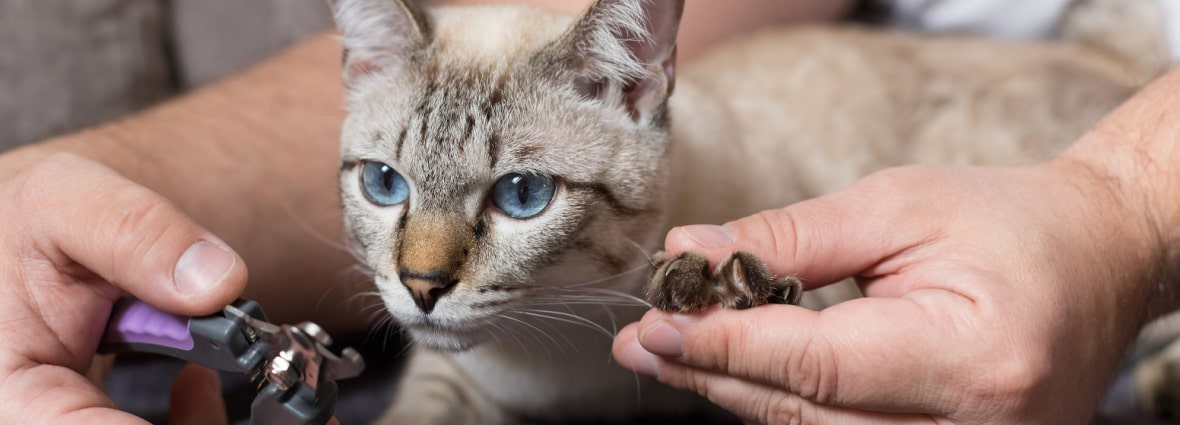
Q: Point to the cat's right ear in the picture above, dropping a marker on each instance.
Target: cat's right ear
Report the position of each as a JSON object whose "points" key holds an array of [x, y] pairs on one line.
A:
{"points": [[623, 52], [378, 34]]}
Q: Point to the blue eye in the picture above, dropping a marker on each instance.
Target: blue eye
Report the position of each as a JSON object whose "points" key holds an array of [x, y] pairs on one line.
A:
{"points": [[523, 195], [382, 184]]}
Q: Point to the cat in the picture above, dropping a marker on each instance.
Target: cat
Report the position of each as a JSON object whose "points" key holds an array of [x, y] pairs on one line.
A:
{"points": [[509, 173]]}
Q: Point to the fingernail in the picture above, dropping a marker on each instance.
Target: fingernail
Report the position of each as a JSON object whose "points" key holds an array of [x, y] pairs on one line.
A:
{"points": [[663, 340], [634, 357], [709, 236], [202, 267]]}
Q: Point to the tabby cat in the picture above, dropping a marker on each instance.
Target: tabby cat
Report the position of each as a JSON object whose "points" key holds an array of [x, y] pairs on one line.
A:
{"points": [[509, 173]]}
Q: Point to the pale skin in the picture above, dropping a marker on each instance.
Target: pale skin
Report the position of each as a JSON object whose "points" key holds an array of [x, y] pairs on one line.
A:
{"points": [[990, 290], [113, 209]]}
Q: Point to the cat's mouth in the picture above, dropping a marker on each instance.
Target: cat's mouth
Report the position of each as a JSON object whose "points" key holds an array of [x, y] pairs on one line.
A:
{"points": [[447, 328], [435, 336]]}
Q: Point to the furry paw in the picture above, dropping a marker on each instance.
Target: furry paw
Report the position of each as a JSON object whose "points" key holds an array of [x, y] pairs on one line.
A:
{"points": [[685, 284]]}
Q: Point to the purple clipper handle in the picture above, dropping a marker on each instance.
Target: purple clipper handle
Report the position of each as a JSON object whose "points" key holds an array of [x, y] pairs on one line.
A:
{"points": [[135, 322], [221, 341]]}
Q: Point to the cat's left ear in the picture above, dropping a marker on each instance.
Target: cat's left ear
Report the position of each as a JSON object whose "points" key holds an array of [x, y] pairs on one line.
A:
{"points": [[378, 34], [624, 52]]}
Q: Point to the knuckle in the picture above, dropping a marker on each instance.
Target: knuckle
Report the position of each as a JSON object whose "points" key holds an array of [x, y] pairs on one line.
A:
{"points": [[35, 192], [19, 193], [1010, 379], [28, 188], [731, 342], [53, 167], [687, 379], [892, 179], [138, 224], [783, 410], [781, 228], [811, 371], [711, 347]]}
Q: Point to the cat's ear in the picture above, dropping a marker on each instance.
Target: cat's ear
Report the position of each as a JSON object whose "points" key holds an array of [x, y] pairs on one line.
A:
{"points": [[624, 51], [378, 34]]}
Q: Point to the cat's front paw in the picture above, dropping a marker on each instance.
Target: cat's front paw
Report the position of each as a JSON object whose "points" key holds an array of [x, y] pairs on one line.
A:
{"points": [[685, 283]]}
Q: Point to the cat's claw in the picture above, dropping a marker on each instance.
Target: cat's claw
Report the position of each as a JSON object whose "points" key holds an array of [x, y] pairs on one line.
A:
{"points": [[685, 283]]}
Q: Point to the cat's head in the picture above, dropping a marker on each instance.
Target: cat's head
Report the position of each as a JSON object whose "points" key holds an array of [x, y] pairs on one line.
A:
{"points": [[495, 159]]}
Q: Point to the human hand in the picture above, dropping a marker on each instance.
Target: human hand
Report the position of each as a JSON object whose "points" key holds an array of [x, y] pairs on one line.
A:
{"points": [[76, 235], [993, 296]]}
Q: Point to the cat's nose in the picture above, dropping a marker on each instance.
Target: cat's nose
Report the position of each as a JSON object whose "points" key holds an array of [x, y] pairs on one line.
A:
{"points": [[427, 288]]}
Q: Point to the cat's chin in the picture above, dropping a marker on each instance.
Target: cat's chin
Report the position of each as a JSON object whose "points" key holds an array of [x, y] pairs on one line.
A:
{"points": [[438, 339]]}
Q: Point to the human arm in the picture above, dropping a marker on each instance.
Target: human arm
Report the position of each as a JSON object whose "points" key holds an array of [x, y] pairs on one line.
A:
{"points": [[989, 290], [249, 161], [253, 160]]}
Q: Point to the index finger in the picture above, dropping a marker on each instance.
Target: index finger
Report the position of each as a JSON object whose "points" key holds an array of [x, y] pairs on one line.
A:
{"points": [[826, 239]]}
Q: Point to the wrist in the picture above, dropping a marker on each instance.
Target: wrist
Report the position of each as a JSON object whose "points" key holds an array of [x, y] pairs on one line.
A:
{"points": [[1132, 152]]}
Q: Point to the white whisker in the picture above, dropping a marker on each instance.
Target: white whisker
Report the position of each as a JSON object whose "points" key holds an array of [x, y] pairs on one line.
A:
{"points": [[583, 300], [639, 248], [610, 292], [493, 327], [512, 332], [555, 330], [536, 329], [319, 236], [607, 278], [569, 318], [614, 321]]}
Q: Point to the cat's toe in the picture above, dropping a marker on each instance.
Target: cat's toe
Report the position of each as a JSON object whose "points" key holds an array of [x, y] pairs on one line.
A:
{"points": [[787, 290], [681, 284], [744, 281]]}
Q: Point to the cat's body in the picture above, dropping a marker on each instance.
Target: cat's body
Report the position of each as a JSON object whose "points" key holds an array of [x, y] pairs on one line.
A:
{"points": [[458, 102], [807, 111]]}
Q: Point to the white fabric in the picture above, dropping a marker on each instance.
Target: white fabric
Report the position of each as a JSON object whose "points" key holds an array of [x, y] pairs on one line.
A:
{"points": [[1171, 11], [998, 18]]}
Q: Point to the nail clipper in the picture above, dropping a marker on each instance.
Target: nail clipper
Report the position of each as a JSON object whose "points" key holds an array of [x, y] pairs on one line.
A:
{"points": [[295, 362]]}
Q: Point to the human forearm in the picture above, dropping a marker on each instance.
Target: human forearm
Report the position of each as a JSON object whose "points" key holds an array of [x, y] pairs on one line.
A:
{"points": [[1135, 149], [253, 159]]}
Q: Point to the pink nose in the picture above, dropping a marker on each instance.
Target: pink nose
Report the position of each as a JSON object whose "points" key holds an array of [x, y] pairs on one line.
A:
{"points": [[427, 288]]}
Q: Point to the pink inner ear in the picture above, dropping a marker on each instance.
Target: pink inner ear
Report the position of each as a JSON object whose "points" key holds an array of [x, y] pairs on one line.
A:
{"points": [[663, 21], [588, 87], [669, 66]]}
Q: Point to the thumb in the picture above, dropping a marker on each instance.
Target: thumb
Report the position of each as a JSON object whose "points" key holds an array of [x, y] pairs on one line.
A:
{"points": [[821, 240], [78, 212]]}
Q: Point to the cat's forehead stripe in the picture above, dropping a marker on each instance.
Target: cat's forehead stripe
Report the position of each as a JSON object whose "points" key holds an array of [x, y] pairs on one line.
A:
{"points": [[457, 107]]}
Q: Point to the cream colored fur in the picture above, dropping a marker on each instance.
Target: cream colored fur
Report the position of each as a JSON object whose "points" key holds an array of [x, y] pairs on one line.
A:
{"points": [[762, 122]]}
